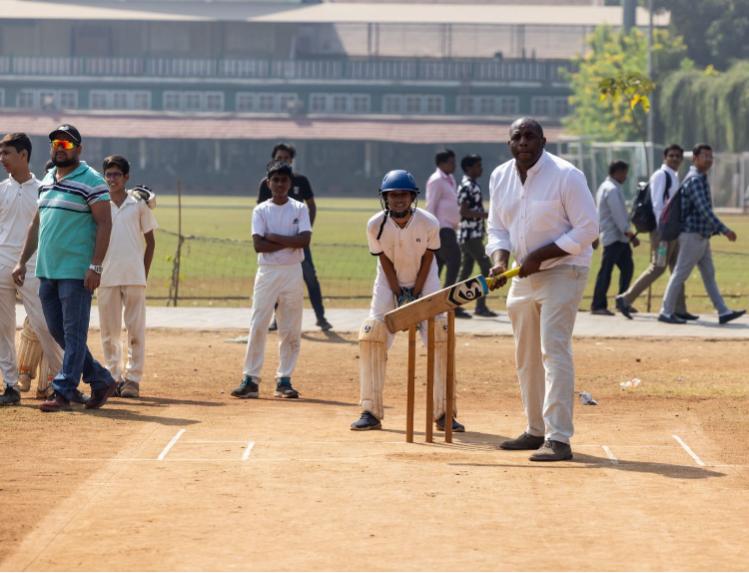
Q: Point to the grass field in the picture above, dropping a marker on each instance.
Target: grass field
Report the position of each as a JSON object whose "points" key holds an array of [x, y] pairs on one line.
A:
{"points": [[218, 261]]}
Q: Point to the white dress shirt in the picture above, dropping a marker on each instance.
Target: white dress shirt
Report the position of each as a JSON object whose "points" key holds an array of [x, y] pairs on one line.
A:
{"points": [[658, 187], [554, 205], [17, 210], [442, 199]]}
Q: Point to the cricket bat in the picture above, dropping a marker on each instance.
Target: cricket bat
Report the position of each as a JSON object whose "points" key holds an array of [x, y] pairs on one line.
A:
{"points": [[460, 293]]}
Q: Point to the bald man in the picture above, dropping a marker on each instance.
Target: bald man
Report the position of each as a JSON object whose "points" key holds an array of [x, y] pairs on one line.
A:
{"points": [[542, 212]]}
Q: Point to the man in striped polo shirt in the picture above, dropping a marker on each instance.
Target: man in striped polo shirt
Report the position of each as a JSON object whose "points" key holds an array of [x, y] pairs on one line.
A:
{"points": [[71, 230]]}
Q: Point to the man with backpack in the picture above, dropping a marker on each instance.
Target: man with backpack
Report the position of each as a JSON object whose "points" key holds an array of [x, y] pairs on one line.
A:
{"points": [[698, 224], [662, 185]]}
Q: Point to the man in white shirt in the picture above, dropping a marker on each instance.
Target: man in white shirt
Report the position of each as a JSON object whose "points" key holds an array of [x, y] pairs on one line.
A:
{"points": [[543, 213], [18, 196], [663, 184], [404, 240], [442, 202], [123, 280], [281, 230]]}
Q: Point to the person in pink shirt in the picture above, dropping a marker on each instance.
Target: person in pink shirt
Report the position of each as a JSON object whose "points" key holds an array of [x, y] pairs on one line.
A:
{"points": [[442, 202]]}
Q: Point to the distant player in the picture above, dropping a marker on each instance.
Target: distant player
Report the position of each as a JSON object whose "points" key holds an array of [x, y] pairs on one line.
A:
{"points": [[281, 230], [404, 238], [123, 282]]}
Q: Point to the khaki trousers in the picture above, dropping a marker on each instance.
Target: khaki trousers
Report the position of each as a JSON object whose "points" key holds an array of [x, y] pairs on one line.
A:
{"points": [[33, 305], [542, 309], [112, 302]]}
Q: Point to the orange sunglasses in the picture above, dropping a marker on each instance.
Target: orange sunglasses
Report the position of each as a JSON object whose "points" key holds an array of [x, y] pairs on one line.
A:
{"points": [[64, 143]]}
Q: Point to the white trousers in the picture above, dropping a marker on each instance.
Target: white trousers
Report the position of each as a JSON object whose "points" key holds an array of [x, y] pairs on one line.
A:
{"points": [[112, 302], [542, 309], [30, 298], [383, 302], [282, 284]]}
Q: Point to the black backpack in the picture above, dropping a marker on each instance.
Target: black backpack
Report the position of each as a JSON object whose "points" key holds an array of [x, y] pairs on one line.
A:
{"points": [[642, 216], [669, 225]]}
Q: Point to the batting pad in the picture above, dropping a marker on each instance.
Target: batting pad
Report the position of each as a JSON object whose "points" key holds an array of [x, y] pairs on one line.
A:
{"points": [[373, 336], [440, 369]]}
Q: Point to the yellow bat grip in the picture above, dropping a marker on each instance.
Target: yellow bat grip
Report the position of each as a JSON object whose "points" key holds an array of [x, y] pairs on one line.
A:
{"points": [[491, 281]]}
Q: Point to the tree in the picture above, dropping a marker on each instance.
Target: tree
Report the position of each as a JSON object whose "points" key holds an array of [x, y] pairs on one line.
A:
{"points": [[716, 32], [616, 66]]}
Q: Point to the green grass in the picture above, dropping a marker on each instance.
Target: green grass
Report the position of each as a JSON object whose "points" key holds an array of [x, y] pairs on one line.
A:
{"points": [[218, 260]]}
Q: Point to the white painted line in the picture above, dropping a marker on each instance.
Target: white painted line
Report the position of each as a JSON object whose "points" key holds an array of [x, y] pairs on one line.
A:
{"points": [[170, 445], [247, 450], [610, 454], [688, 450], [214, 441]]}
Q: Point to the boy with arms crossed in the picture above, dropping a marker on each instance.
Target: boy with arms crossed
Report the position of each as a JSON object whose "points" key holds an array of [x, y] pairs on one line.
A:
{"points": [[123, 282], [404, 240], [281, 230]]}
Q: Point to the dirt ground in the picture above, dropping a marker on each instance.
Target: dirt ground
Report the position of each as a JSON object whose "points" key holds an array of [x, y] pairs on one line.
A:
{"points": [[284, 485]]}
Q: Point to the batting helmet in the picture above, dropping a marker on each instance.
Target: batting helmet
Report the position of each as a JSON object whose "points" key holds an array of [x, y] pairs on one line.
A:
{"points": [[398, 180]]}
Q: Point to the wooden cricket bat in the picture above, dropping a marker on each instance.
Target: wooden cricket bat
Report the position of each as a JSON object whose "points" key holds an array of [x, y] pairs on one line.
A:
{"points": [[404, 317]]}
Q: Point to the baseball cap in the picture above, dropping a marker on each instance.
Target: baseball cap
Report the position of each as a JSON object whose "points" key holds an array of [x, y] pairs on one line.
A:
{"points": [[68, 130]]}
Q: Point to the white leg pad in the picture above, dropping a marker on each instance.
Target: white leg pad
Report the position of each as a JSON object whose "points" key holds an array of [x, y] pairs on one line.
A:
{"points": [[440, 370], [373, 336], [29, 351]]}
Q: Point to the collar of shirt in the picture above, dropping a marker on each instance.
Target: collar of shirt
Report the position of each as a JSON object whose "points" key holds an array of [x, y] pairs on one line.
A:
{"points": [[30, 181], [448, 176], [129, 200], [82, 167]]}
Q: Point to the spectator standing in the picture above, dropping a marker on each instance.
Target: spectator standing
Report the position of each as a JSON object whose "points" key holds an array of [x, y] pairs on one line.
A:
{"points": [[615, 235]]}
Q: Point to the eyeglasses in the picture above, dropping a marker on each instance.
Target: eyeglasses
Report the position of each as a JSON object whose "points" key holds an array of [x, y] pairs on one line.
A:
{"points": [[113, 175], [63, 143]]}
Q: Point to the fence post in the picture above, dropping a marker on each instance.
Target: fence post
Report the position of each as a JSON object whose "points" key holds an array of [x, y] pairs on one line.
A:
{"points": [[174, 285]]}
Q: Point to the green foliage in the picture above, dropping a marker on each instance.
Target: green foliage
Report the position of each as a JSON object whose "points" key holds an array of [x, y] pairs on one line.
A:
{"points": [[716, 105], [611, 91], [716, 31]]}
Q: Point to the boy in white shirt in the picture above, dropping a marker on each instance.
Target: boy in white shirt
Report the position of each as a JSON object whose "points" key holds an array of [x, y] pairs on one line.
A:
{"points": [[404, 239], [123, 280], [281, 230]]}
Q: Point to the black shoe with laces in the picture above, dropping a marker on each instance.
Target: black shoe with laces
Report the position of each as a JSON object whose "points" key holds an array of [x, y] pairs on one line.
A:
{"points": [[733, 315], [486, 312], [623, 307], [79, 397], [248, 388], [686, 315], [11, 397], [457, 426], [284, 388], [324, 324], [367, 421]]}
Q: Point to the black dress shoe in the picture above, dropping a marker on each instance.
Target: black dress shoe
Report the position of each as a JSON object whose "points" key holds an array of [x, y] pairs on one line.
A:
{"points": [[79, 397], [733, 315], [602, 312], [671, 319], [623, 307], [100, 395], [524, 441], [488, 313], [686, 316], [552, 451], [460, 313]]}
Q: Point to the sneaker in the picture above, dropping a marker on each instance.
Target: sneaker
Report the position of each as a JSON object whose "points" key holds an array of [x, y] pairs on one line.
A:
{"points": [[524, 441], [324, 325], [623, 307], [686, 316], [24, 382], [11, 397], [100, 394], [552, 451], [367, 421], [601, 312], [248, 388], [79, 397], [486, 312], [57, 403], [633, 310], [273, 325], [129, 389], [284, 389], [457, 426], [671, 319], [733, 315], [460, 313]]}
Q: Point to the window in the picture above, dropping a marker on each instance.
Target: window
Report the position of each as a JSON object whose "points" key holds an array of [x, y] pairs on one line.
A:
{"points": [[435, 104], [340, 104], [266, 103], [486, 105], [317, 103], [214, 102], [541, 106], [508, 105], [392, 104], [245, 102], [171, 101], [413, 104], [561, 108], [97, 100], [261, 102], [47, 99], [193, 101], [361, 104]]}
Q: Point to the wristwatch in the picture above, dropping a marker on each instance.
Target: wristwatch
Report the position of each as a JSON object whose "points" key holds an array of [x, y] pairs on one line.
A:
{"points": [[96, 268]]}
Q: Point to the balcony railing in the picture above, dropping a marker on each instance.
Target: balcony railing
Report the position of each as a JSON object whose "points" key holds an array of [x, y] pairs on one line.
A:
{"points": [[359, 69]]}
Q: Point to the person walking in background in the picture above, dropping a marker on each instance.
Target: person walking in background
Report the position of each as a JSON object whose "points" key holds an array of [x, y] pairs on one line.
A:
{"points": [[442, 202], [616, 236], [698, 224], [123, 282], [71, 229], [471, 230], [301, 190], [663, 183], [18, 194]]}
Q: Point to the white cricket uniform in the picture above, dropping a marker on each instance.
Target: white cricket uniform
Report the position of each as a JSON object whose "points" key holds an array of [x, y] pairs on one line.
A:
{"points": [[404, 247], [123, 287], [278, 280], [17, 210], [554, 205]]}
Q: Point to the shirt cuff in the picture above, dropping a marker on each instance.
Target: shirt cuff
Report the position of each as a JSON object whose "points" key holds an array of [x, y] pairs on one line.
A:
{"points": [[568, 245]]}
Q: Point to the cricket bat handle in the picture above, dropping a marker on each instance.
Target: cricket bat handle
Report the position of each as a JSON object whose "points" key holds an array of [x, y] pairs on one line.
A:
{"points": [[492, 281]]}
